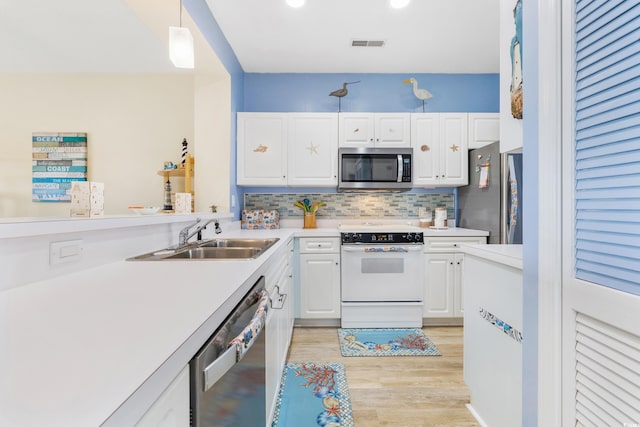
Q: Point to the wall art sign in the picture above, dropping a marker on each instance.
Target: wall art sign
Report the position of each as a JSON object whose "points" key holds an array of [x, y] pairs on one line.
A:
{"points": [[59, 159], [516, 63]]}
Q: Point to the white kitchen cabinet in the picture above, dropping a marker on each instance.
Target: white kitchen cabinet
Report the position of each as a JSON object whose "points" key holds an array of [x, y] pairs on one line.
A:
{"points": [[280, 149], [320, 278], [279, 325], [374, 130], [262, 149], [484, 129], [172, 409], [313, 149], [443, 295], [440, 149], [443, 292]]}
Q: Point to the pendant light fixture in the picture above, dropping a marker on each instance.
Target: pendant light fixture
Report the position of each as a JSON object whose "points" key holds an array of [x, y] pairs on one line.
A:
{"points": [[181, 45]]}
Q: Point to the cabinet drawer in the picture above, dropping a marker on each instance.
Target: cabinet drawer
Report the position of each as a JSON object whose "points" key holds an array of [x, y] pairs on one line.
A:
{"points": [[319, 245], [449, 244]]}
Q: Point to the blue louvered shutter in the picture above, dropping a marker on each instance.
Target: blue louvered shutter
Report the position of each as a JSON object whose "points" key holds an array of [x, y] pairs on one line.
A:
{"points": [[607, 124]]}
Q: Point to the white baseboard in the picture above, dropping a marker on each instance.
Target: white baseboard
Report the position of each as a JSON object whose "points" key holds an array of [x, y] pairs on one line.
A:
{"points": [[476, 416]]}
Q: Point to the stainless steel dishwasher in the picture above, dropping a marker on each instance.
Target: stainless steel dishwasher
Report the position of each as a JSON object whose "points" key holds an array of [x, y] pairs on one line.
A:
{"points": [[228, 373]]}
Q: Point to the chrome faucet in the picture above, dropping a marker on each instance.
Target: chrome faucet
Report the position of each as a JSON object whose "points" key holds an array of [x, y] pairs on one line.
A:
{"points": [[186, 234]]}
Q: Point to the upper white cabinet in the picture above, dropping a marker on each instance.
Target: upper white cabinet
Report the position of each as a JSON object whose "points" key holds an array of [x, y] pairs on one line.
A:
{"points": [[280, 149], [313, 149], [440, 145], [262, 149], [374, 129], [484, 129]]}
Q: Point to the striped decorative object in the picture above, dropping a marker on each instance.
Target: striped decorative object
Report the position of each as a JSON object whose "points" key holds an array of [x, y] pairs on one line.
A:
{"points": [[607, 374], [607, 126]]}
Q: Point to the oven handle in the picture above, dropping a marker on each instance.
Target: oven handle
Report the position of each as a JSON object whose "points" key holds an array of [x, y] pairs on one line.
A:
{"points": [[383, 249], [239, 346]]}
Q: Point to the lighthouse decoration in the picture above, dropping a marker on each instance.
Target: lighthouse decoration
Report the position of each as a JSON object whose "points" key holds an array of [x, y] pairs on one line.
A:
{"points": [[183, 160]]}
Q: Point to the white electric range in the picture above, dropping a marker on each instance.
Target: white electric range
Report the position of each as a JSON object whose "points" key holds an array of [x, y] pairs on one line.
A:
{"points": [[382, 275]]}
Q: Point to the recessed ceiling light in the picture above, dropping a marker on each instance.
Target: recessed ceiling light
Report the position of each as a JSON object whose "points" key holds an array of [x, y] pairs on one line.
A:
{"points": [[296, 3], [399, 4]]}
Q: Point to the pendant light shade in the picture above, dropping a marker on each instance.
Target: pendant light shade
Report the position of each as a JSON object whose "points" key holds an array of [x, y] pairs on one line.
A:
{"points": [[181, 47]]}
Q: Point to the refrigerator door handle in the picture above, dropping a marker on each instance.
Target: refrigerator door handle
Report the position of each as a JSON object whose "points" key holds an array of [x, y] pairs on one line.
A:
{"points": [[504, 197]]}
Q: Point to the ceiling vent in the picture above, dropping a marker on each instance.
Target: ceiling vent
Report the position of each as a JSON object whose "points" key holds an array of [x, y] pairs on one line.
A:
{"points": [[367, 43]]}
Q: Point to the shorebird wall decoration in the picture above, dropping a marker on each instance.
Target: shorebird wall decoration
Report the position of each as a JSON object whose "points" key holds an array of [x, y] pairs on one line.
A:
{"points": [[421, 94], [340, 93]]}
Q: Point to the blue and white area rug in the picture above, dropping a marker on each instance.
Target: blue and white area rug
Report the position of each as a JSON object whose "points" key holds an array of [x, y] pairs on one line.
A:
{"points": [[313, 394], [386, 342]]}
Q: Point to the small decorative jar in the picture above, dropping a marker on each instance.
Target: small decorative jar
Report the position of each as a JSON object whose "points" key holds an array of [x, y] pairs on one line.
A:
{"points": [[309, 220]]}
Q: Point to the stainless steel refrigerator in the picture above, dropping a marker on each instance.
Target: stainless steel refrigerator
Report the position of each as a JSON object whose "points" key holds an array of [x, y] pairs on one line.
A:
{"points": [[493, 199]]}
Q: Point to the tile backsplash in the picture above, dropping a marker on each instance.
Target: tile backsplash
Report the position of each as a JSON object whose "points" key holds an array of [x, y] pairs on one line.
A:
{"points": [[374, 205]]}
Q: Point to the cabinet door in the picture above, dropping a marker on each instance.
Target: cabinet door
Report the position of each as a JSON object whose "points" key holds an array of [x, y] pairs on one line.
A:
{"points": [[273, 368], [392, 130], [484, 129], [172, 407], [356, 129], [454, 158], [262, 149], [425, 136], [458, 290], [438, 297], [320, 286], [313, 149]]}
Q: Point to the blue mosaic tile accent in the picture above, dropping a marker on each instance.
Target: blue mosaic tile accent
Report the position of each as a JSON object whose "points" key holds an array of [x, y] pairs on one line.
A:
{"points": [[378, 205], [503, 326]]}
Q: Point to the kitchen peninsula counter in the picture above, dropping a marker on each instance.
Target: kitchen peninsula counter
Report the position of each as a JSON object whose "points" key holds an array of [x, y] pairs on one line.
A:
{"points": [[98, 344], [493, 332]]}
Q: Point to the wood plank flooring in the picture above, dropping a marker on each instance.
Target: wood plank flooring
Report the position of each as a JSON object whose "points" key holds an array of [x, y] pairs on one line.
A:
{"points": [[401, 391]]}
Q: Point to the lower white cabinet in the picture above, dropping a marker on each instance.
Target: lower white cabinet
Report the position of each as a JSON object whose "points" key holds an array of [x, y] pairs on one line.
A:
{"points": [[443, 290], [172, 407], [320, 278], [279, 325]]}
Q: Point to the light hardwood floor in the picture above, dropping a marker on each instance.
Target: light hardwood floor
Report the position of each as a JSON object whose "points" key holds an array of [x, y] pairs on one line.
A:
{"points": [[402, 391]]}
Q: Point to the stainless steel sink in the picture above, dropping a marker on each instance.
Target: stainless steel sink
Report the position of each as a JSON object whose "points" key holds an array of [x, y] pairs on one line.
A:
{"points": [[263, 244], [217, 253], [218, 249]]}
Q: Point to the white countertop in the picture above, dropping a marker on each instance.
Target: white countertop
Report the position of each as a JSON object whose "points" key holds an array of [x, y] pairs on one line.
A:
{"points": [[510, 255], [75, 347]]}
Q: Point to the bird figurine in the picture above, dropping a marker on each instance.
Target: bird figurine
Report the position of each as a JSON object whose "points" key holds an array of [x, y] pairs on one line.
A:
{"points": [[421, 94], [339, 93]]}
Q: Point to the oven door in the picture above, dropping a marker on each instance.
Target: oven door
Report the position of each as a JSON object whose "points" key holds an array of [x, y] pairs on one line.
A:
{"points": [[382, 273]]}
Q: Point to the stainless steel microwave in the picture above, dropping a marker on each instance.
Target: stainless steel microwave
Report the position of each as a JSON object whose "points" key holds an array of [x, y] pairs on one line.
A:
{"points": [[383, 169]]}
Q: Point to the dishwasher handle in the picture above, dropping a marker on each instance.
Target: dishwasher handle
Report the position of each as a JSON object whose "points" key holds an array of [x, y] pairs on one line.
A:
{"points": [[250, 333], [219, 367], [238, 346]]}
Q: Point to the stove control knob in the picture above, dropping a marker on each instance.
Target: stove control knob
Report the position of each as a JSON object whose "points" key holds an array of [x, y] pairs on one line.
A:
{"points": [[418, 237], [409, 237]]}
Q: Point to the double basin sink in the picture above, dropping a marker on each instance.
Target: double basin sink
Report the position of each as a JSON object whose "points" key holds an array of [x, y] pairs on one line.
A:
{"points": [[217, 249]]}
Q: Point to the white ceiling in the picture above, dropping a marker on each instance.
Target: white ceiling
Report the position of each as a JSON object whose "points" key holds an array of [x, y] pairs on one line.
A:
{"points": [[105, 36], [429, 36]]}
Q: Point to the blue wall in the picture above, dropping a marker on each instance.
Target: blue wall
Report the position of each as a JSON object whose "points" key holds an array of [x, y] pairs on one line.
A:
{"points": [[374, 93], [209, 28]]}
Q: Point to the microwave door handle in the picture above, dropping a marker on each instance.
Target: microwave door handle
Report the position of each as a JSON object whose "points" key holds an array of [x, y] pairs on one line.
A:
{"points": [[399, 178]]}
